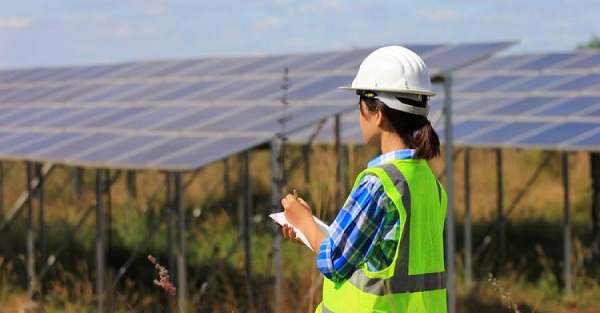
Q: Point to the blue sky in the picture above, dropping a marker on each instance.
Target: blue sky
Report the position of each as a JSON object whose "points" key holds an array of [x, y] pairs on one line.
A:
{"points": [[53, 33]]}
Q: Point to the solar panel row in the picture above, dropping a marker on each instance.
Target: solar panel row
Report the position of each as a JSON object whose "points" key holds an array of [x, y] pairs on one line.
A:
{"points": [[183, 114]]}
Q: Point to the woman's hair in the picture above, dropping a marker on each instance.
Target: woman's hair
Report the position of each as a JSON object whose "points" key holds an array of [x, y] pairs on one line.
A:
{"points": [[415, 130]]}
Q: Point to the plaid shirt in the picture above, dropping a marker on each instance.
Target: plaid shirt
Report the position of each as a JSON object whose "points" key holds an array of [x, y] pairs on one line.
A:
{"points": [[365, 227]]}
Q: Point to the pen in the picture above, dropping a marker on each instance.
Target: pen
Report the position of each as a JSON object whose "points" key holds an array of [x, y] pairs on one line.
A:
{"points": [[295, 194]]}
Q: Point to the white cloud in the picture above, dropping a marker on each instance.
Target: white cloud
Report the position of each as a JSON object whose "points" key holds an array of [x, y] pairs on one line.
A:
{"points": [[15, 22], [443, 16]]}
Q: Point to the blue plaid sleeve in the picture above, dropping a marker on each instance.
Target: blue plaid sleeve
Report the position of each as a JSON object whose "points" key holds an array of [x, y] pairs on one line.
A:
{"points": [[356, 227]]}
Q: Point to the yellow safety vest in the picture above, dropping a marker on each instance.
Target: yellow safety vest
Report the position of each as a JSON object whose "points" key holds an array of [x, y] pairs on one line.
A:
{"points": [[415, 281]]}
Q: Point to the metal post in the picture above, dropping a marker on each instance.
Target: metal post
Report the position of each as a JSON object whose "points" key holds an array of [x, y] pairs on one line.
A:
{"points": [[31, 284], [467, 221], [450, 288], [500, 204], [80, 183], [181, 266], [131, 185], [276, 190], [248, 225], [1, 191], [40, 196], [567, 226], [170, 196], [100, 253], [340, 159], [226, 186]]}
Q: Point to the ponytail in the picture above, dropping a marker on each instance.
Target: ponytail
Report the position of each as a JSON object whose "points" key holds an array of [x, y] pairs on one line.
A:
{"points": [[415, 130], [426, 142]]}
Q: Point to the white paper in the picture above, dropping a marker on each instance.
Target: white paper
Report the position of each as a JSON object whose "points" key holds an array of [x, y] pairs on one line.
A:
{"points": [[281, 220]]}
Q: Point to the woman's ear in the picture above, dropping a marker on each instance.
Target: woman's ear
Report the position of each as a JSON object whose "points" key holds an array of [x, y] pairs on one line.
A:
{"points": [[379, 118]]}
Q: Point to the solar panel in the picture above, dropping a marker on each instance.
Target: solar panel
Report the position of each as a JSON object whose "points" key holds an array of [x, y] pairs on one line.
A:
{"points": [[557, 134], [572, 106], [183, 114], [545, 62]]}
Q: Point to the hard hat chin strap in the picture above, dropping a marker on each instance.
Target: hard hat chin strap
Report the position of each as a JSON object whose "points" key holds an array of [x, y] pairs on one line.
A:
{"points": [[391, 100]]}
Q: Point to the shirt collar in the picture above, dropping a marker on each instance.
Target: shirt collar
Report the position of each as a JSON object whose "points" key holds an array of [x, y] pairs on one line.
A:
{"points": [[402, 154]]}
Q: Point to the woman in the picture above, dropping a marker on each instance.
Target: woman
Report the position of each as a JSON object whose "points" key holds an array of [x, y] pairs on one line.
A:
{"points": [[385, 252]]}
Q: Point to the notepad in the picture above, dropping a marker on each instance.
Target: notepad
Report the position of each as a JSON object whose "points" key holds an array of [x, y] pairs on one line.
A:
{"points": [[281, 220]]}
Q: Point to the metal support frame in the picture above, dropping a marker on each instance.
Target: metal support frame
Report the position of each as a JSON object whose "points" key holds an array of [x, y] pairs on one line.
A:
{"points": [[450, 236], [169, 206], [248, 226], [567, 226], [42, 209], [181, 263], [468, 222], [131, 184], [1, 190], [276, 195], [100, 245], [31, 277], [500, 206]]}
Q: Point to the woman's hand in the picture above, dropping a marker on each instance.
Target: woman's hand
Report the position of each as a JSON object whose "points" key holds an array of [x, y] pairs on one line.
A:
{"points": [[289, 233], [296, 211]]}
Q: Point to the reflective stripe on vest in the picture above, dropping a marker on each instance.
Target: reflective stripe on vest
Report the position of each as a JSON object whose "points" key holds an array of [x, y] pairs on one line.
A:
{"points": [[401, 282]]}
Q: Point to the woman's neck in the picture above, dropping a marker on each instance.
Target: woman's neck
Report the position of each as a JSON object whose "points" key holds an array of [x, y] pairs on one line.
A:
{"points": [[392, 142]]}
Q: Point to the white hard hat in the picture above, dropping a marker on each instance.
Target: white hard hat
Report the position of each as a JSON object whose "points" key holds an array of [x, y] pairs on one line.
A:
{"points": [[391, 72]]}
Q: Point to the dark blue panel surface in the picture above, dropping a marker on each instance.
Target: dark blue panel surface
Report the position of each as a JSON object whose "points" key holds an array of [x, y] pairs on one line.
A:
{"points": [[77, 146], [155, 152], [592, 61], [539, 82], [119, 147], [184, 91], [210, 151], [255, 65], [347, 60], [267, 89], [473, 106], [240, 119], [16, 114], [319, 87], [500, 63], [153, 118], [216, 67], [18, 139], [461, 55], [113, 92], [82, 116], [588, 142], [559, 133], [115, 116], [42, 143], [546, 61], [470, 128], [195, 118], [297, 117], [489, 83], [100, 71], [505, 133], [224, 89], [570, 107], [581, 83], [44, 114], [173, 69], [74, 93], [146, 92], [522, 105]]}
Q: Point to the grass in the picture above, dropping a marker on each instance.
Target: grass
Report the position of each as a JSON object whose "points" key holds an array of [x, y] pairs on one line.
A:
{"points": [[531, 271]]}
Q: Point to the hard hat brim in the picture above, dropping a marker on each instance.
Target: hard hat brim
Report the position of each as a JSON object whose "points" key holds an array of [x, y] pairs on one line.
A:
{"points": [[417, 92]]}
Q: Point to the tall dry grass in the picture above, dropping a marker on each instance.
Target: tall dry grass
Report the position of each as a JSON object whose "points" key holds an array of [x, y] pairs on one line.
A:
{"points": [[216, 274]]}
